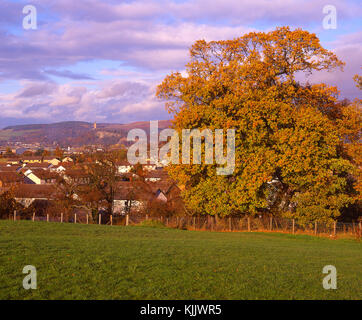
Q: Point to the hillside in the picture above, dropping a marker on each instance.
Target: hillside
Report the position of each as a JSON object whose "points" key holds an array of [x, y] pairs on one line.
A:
{"points": [[73, 133]]}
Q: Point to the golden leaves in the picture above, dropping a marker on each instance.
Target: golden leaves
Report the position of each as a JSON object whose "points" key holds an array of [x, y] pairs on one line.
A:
{"points": [[287, 132]]}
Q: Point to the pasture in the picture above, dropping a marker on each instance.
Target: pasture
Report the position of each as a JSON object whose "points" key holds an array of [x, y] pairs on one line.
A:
{"points": [[143, 262]]}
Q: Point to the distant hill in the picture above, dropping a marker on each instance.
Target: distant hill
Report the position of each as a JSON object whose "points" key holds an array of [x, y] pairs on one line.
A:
{"points": [[73, 133]]}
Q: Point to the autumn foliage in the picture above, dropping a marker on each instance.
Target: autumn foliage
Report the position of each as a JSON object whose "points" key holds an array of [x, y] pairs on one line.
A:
{"points": [[297, 146]]}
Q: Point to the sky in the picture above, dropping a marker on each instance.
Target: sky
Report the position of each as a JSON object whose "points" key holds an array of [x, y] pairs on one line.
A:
{"points": [[94, 60]]}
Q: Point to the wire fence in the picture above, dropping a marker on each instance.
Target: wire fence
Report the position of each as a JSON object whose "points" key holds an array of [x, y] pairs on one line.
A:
{"points": [[210, 223]]}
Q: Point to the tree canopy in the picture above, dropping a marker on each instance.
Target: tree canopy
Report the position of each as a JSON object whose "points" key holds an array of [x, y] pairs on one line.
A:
{"points": [[293, 140]]}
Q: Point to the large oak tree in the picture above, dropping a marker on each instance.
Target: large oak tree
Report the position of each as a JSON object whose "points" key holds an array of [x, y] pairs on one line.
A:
{"points": [[291, 137]]}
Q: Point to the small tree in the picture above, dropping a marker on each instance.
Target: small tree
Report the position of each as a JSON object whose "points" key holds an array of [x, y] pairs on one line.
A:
{"points": [[7, 203], [103, 174], [59, 153], [65, 196]]}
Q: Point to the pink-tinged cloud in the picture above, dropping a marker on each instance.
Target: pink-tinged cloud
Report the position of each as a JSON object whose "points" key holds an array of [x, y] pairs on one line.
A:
{"points": [[147, 39], [349, 50]]}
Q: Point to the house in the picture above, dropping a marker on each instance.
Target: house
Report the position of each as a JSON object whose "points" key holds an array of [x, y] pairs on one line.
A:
{"points": [[124, 167], [127, 200], [26, 194], [156, 175], [13, 161], [160, 196], [76, 175], [6, 167], [40, 176], [58, 168], [137, 195], [43, 166], [40, 159], [62, 167], [67, 159], [168, 193], [8, 179]]}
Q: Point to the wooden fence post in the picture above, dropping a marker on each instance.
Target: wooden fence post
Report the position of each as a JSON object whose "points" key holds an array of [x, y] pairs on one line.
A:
{"points": [[14, 215], [334, 228], [146, 216], [127, 221], [271, 223], [315, 227], [229, 223], [87, 218], [33, 216], [293, 226], [111, 220], [75, 218], [249, 224], [99, 219], [47, 217], [194, 222], [61, 217]]}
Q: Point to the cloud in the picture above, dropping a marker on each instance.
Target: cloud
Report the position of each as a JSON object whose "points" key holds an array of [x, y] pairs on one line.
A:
{"points": [[69, 74], [148, 39], [111, 101], [348, 49], [120, 88], [36, 89]]}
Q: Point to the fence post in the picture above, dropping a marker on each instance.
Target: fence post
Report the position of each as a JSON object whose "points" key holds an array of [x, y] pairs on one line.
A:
{"points": [[315, 227], [47, 217], [87, 218], [293, 226], [230, 223], [33, 216], [166, 221], [127, 221], [271, 223], [249, 224], [111, 219], [146, 216], [61, 217], [99, 219], [334, 228], [194, 222], [14, 215], [75, 218]]}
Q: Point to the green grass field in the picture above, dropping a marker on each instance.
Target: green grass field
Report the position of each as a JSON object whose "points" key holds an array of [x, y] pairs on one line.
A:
{"points": [[113, 262]]}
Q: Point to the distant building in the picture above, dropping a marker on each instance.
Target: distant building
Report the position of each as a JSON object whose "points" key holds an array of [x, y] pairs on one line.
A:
{"points": [[21, 150]]}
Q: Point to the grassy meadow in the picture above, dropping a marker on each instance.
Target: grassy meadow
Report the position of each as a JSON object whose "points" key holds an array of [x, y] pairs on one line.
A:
{"points": [[76, 261]]}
